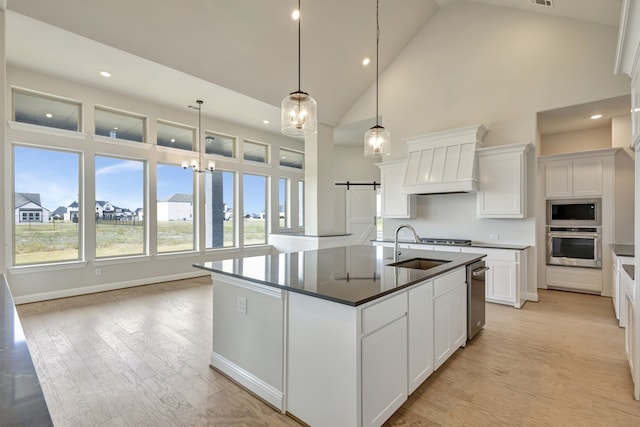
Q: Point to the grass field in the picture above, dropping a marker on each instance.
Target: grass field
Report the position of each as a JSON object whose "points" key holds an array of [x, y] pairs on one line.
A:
{"points": [[58, 241]]}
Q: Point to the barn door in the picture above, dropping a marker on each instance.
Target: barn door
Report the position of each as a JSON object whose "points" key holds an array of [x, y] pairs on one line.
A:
{"points": [[361, 214]]}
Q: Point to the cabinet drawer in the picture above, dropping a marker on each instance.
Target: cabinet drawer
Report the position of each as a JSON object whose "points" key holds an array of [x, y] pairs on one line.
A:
{"points": [[495, 254], [379, 314], [443, 284]]}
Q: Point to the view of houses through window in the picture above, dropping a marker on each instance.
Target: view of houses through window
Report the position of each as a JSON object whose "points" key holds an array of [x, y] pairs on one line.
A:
{"points": [[46, 206], [175, 209], [54, 212], [119, 207]]}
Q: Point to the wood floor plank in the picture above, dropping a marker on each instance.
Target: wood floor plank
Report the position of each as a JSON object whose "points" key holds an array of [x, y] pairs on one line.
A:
{"points": [[140, 356]]}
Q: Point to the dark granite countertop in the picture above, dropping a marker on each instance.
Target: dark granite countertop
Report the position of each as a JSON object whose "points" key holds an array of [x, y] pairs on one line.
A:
{"points": [[350, 275], [622, 250], [472, 245], [21, 400], [630, 269]]}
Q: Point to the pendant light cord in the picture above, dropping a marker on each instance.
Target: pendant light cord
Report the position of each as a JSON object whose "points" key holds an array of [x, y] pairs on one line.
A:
{"points": [[299, 49], [377, 54]]}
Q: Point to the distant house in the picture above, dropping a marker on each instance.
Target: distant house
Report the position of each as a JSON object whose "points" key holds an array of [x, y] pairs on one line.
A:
{"points": [[73, 213], [139, 214], [105, 210], [178, 207], [28, 208], [60, 213]]}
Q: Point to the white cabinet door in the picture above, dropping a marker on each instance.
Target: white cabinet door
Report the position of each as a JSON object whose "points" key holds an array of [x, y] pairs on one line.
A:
{"points": [[384, 372], [559, 179], [394, 203], [420, 324], [587, 177], [501, 181], [629, 334], [501, 281], [450, 323]]}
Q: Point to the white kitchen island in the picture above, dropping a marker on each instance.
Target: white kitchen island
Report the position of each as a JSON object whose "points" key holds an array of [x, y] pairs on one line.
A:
{"points": [[336, 336]]}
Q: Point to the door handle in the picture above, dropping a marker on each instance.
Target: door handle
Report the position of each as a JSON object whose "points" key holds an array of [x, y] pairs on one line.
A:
{"points": [[479, 271]]}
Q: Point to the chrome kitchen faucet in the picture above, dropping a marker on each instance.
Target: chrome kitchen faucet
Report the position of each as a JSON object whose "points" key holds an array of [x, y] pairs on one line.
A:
{"points": [[416, 239]]}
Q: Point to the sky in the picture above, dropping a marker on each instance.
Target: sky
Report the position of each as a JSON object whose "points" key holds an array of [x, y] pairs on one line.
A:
{"points": [[54, 175]]}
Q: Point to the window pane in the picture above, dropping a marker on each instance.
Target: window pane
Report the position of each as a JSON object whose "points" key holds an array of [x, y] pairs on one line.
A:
{"points": [[219, 220], [292, 159], [119, 125], [46, 219], [175, 209], [255, 202], [256, 152], [283, 203], [301, 203], [175, 136], [119, 207], [46, 111], [222, 145]]}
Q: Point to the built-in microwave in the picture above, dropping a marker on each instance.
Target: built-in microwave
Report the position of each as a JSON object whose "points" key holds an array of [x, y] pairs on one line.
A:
{"points": [[574, 212]]}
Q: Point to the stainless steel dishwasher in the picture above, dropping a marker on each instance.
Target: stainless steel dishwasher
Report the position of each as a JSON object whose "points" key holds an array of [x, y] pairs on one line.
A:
{"points": [[475, 297]]}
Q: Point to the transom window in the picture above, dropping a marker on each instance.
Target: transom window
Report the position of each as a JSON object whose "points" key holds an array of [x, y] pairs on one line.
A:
{"points": [[120, 125], [175, 136], [222, 145], [291, 159], [44, 110], [256, 152]]}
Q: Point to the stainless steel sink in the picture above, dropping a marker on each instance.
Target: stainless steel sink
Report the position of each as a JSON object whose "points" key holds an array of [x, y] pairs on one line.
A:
{"points": [[419, 263]]}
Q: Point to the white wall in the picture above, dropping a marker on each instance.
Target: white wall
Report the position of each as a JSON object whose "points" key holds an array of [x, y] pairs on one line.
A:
{"points": [[5, 201], [576, 141]]}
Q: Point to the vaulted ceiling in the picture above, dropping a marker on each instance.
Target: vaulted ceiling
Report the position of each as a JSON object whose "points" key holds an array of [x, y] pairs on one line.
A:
{"points": [[239, 56]]}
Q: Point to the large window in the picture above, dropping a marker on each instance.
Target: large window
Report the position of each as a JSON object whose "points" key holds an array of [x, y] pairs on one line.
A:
{"points": [[119, 207], [116, 124], [301, 203], [175, 136], [175, 209], [46, 216], [283, 203], [255, 212], [45, 110], [219, 217], [222, 145]]}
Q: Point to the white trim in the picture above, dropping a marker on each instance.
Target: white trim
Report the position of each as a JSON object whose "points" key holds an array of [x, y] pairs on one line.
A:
{"points": [[177, 255], [28, 127], [121, 142], [622, 34], [126, 259], [40, 268], [64, 293], [265, 391]]}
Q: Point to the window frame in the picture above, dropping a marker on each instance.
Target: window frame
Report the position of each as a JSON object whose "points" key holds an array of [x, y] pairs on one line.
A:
{"points": [[123, 113], [47, 97]]}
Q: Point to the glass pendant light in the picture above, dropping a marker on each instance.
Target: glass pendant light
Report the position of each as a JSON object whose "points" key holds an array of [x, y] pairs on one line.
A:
{"points": [[377, 140], [299, 115], [196, 165]]}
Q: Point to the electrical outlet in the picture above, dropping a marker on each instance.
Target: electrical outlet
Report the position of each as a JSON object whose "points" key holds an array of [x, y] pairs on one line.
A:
{"points": [[242, 305], [495, 236], [98, 271]]}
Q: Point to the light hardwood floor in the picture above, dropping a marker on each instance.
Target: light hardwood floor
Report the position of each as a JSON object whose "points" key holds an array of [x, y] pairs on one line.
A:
{"points": [[139, 357]]}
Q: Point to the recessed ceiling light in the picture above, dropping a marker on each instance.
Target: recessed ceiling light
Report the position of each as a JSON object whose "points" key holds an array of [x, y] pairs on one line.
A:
{"points": [[295, 15], [596, 116], [105, 74], [266, 122], [48, 115], [115, 127], [366, 61], [173, 140]]}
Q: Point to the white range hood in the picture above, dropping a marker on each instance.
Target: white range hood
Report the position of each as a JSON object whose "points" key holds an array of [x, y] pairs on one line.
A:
{"points": [[443, 162]]}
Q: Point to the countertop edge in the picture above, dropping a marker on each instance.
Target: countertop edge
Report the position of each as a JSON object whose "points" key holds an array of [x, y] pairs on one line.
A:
{"points": [[472, 245]]}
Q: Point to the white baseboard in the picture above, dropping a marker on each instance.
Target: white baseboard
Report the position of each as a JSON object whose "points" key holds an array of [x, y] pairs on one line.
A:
{"points": [[531, 296], [64, 293], [265, 391]]}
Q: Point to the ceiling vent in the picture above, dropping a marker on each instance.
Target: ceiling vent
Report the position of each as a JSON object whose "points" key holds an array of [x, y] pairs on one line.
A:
{"points": [[546, 3]]}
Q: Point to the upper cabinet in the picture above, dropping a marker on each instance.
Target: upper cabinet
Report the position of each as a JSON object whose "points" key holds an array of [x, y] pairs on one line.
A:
{"points": [[395, 204], [574, 178], [502, 181]]}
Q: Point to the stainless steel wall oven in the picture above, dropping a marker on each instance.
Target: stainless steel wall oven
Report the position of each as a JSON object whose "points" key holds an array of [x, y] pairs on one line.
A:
{"points": [[574, 246]]}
